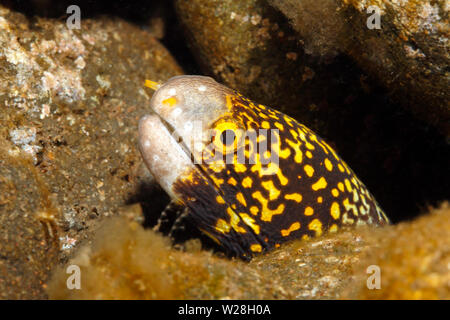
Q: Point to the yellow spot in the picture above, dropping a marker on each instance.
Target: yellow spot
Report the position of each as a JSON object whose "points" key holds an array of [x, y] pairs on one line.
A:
{"points": [[289, 120], [152, 84], [277, 245], [234, 221], [262, 115], [229, 103], [308, 154], [348, 206], [320, 184], [239, 167], [293, 227], [335, 192], [265, 125], [341, 186], [273, 191], [333, 228], [297, 197], [294, 134], [220, 200], [270, 169], [316, 226], [170, 101], [309, 146], [217, 181], [279, 126], [348, 185], [367, 207], [341, 168], [319, 199], [217, 166], [232, 181], [247, 182], [328, 164], [313, 137], [256, 248], [266, 213], [309, 170], [301, 133], [335, 210], [250, 222], [222, 226], [261, 138], [241, 199], [273, 116], [298, 153], [189, 177], [309, 211], [362, 210], [346, 220], [254, 210], [331, 150], [346, 168], [305, 237], [282, 178], [285, 153], [355, 196]]}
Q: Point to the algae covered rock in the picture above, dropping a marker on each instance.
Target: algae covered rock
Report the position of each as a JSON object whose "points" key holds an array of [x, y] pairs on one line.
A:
{"points": [[27, 247], [125, 261], [70, 101], [250, 47], [413, 259], [403, 44], [245, 45]]}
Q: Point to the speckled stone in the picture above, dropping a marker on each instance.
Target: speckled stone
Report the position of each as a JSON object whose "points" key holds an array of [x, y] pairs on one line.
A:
{"points": [[70, 101], [408, 54], [413, 257]]}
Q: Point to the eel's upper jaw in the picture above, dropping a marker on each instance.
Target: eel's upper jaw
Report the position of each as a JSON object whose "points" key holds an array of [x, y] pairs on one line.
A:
{"points": [[163, 155]]}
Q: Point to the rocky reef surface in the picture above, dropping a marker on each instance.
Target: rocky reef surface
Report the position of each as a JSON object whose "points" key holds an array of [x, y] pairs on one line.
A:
{"points": [[74, 190], [125, 261], [69, 107], [403, 44]]}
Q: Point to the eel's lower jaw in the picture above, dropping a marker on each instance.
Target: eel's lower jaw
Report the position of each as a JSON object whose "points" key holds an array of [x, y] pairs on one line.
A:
{"points": [[162, 153]]}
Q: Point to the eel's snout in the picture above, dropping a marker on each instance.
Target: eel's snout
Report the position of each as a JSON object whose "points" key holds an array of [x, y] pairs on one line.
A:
{"points": [[162, 154]]}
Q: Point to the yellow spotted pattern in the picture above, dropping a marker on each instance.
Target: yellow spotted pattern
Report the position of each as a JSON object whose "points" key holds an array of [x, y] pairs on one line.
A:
{"points": [[307, 191]]}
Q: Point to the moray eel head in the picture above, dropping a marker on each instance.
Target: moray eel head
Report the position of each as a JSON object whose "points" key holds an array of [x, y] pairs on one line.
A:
{"points": [[251, 177]]}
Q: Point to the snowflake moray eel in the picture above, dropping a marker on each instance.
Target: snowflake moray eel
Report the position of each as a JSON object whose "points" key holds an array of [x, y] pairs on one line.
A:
{"points": [[249, 176]]}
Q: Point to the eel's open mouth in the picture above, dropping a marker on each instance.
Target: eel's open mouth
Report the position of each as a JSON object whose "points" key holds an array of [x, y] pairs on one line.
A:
{"points": [[167, 155], [164, 156], [178, 138]]}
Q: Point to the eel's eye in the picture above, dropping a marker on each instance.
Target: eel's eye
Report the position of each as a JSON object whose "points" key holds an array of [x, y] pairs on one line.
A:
{"points": [[228, 137]]}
